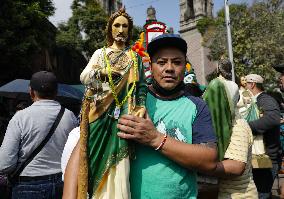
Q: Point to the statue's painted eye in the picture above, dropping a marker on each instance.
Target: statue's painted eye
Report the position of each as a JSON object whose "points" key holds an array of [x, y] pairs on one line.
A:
{"points": [[116, 25]]}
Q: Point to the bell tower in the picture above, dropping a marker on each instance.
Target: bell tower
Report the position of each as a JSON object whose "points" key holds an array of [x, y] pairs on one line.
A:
{"points": [[110, 6], [190, 12]]}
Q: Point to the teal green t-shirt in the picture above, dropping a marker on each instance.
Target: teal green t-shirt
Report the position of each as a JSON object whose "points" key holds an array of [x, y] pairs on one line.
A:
{"points": [[154, 176]]}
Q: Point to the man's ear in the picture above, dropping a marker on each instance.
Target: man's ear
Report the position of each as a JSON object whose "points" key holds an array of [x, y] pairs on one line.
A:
{"points": [[32, 93], [150, 64]]}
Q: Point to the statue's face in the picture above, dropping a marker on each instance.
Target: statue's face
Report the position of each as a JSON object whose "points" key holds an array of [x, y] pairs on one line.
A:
{"points": [[120, 29], [243, 81]]}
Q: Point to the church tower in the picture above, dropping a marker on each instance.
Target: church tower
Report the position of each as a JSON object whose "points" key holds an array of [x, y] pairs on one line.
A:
{"points": [[110, 6], [190, 12]]}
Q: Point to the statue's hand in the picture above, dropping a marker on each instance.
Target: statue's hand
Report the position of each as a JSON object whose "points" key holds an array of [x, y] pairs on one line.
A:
{"points": [[103, 72], [102, 75], [139, 111]]}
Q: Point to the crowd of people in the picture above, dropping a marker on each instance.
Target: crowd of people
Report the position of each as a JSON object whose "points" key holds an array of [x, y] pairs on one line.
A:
{"points": [[144, 141]]}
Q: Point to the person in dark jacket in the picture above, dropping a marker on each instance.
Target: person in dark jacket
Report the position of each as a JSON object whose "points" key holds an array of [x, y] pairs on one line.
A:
{"points": [[267, 125]]}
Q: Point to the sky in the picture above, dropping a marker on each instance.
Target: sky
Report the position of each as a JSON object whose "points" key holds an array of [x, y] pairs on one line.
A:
{"points": [[167, 11]]}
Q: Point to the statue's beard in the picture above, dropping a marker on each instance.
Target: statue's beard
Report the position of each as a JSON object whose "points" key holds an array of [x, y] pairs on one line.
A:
{"points": [[120, 39]]}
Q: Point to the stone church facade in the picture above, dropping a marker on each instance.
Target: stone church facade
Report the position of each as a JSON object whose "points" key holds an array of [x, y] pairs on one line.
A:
{"points": [[110, 6], [190, 12]]}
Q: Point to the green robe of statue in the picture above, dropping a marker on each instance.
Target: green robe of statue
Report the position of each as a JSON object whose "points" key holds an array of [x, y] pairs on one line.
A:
{"points": [[103, 155]]}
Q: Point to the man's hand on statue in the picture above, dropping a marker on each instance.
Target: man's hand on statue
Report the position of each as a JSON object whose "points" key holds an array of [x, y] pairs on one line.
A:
{"points": [[139, 129]]}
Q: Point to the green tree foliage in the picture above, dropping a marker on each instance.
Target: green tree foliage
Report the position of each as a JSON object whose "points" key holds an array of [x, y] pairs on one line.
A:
{"points": [[85, 30], [204, 24], [136, 33], [69, 35], [257, 35], [24, 30]]}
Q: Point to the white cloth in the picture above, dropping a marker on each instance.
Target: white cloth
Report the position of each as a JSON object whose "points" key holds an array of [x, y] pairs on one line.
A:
{"points": [[233, 91], [72, 140], [258, 145], [244, 101]]}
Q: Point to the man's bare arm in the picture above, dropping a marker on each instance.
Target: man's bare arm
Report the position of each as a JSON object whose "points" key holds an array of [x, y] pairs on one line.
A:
{"points": [[192, 156], [229, 168], [71, 175], [199, 157]]}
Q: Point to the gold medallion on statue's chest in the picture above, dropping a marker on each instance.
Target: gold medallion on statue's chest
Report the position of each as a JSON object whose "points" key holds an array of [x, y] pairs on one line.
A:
{"points": [[118, 60]]}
